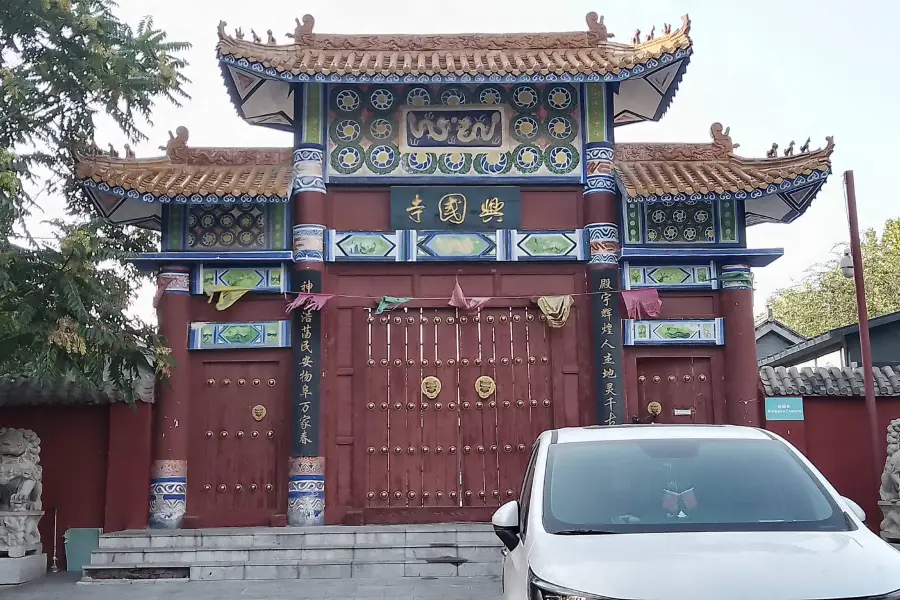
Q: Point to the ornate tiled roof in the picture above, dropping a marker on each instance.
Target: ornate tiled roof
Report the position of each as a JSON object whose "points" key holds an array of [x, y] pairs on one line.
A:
{"points": [[654, 170], [540, 55], [832, 381], [183, 171], [646, 172]]}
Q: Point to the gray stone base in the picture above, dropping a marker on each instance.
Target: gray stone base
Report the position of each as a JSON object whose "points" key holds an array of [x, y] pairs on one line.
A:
{"points": [[14, 571]]}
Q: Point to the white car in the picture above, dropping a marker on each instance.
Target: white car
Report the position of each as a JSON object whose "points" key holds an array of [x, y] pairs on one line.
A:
{"points": [[685, 512]]}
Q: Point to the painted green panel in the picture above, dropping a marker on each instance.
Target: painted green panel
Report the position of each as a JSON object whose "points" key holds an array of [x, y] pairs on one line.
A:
{"points": [[312, 118], [633, 233], [727, 221], [176, 228], [278, 215], [596, 112]]}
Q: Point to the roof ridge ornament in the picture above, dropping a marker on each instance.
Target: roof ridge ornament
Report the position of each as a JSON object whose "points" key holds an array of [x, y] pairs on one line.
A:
{"points": [[596, 25], [177, 142], [303, 29], [788, 152], [721, 140]]}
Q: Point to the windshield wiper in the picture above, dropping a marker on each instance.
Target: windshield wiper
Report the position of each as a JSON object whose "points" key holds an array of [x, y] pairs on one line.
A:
{"points": [[584, 532]]}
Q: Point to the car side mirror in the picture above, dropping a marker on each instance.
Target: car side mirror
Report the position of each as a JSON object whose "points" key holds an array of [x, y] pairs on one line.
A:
{"points": [[855, 508], [506, 524]]}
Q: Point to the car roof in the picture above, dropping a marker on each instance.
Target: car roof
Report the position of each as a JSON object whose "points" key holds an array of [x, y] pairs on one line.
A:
{"points": [[649, 432]]}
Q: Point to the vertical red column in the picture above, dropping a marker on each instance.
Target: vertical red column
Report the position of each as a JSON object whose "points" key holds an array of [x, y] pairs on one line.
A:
{"points": [[168, 477], [306, 483], [741, 371], [601, 216]]}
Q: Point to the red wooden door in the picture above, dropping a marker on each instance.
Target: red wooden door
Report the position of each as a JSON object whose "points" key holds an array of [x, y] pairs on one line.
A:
{"points": [[681, 385], [458, 455], [237, 467]]}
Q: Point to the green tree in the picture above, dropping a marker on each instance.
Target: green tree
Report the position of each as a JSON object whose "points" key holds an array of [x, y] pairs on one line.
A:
{"points": [[62, 302], [826, 300]]}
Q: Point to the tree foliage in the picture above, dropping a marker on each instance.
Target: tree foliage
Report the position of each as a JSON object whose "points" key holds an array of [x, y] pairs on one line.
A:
{"points": [[826, 300], [62, 303]]}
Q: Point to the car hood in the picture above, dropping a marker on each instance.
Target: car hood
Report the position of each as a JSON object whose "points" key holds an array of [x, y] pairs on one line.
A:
{"points": [[712, 566]]}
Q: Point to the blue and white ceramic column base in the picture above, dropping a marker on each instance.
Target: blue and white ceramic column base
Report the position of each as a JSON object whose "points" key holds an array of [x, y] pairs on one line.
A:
{"points": [[602, 243], [726, 272], [306, 491], [309, 243], [308, 169], [598, 168], [168, 494]]}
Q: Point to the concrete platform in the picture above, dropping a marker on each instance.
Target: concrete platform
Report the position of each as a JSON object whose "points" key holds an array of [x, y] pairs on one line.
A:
{"points": [[14, 571]]}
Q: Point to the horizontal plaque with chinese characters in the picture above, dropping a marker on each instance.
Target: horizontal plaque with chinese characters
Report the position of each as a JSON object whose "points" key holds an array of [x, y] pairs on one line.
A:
{"points": [[470, 208]]}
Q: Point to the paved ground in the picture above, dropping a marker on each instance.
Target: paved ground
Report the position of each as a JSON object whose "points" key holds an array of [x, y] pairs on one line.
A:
{"points": [[63, 587]]}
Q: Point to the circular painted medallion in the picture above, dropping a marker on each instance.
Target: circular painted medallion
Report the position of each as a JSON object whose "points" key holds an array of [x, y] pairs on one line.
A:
{"points": [[528, 158], [492, 163], [525, 97], [455, 163], [561, 159], [525, 128], [381, 129], [560, 97], [418, 96], [347, 100], [347, 160], [489, 94], [561, 128], [420, 162], [383, 158], [381, 99], [453, 96], [347, 131]]}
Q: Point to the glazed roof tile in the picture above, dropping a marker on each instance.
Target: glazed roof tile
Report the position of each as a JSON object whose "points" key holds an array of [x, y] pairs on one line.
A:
{"points": [[643, 169], [22, 391], [583, 52], [653, 170], [187, 171], [830, 381]]}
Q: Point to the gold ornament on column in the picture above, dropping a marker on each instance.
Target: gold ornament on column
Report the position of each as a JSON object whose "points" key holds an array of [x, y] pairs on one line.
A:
{"points": [[431, 387], [485, 387]]}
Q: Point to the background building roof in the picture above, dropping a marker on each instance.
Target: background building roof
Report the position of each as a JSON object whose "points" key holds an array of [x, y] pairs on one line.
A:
{"points": [[827, 381]]}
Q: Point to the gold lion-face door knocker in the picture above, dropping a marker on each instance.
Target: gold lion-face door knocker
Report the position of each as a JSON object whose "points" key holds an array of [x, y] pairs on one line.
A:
{"points": [[485, 387], [431, 387], [258, 412]]}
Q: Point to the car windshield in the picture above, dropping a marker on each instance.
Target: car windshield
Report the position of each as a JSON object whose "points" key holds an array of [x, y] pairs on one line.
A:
{"points": [[662, 485]]}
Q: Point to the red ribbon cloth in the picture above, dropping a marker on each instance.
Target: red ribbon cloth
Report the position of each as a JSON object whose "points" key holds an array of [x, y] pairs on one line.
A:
{"points": [[308, 302], [459, 300], [644, 302], [162, 284]]}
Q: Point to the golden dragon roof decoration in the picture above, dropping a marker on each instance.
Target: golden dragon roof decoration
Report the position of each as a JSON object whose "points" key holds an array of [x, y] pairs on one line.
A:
{"points": [[580, 52]]}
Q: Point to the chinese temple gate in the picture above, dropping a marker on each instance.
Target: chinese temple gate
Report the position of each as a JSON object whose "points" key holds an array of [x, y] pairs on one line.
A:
{"points": [[483, 166]]}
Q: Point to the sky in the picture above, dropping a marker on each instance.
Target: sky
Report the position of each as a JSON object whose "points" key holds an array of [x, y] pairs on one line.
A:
{"points": [[771, 70]]}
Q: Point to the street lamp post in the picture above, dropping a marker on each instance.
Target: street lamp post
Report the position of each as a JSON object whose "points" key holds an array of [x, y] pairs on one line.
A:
{"points": [[852, 266]]}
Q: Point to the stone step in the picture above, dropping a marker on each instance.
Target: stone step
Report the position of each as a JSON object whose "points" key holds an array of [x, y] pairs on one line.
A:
{"points": [[362, 552], [238, 538], [274, 569]]}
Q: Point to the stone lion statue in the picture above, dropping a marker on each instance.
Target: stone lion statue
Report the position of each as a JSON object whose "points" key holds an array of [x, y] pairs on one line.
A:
{"points": [[890, 484], [20, 470]]}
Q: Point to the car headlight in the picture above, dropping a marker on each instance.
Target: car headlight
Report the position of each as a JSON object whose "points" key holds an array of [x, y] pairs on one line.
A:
{"points": [[538, 589]]}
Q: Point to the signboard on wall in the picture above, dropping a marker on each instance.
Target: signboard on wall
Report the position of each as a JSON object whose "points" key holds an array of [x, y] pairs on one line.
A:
{"points": [[786, 408], [456, 208]]}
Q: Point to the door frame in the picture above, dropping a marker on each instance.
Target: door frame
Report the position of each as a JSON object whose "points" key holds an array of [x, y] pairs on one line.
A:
{"points": [[282, 358], [715, 354]]}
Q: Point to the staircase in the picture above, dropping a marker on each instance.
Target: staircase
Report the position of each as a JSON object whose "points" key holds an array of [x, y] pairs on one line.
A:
{"points": [[330, 552]]}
